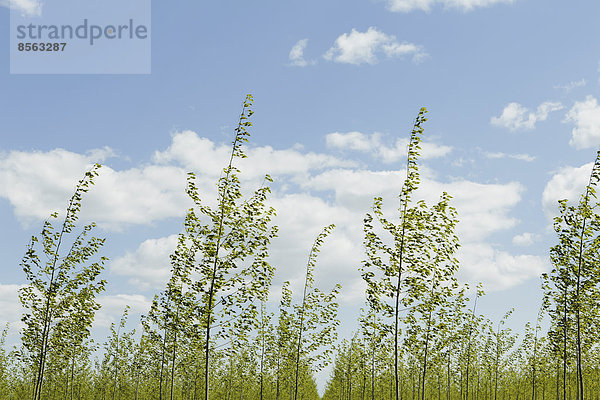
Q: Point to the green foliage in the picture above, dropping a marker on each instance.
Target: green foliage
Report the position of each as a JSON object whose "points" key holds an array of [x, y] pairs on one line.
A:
{"points": [[60, 297], [4, 371], [416, 271], [572, 288], [315, 317], [212, 333]]}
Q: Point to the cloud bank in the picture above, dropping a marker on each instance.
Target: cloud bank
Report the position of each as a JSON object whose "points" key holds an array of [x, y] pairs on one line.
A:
{"points": [[368, 47]]}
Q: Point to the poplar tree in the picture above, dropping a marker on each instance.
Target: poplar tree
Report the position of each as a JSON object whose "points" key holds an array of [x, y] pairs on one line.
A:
{"points": [[503, 341], [573, 285], [59, 300], [228, 251], [118, 350], [4, 371], [316, 320], [421, 253]]}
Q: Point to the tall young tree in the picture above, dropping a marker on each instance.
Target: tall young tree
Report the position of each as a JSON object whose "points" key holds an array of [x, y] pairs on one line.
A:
{"points": [[4, 372], [229, 251], [573, 285], [421, 252], [59, 300], [503, 341], [315, 316], [117, 356]]}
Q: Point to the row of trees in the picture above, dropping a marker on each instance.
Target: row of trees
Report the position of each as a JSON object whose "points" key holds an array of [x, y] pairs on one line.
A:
{"points": [[210, 334], [445, 349]]}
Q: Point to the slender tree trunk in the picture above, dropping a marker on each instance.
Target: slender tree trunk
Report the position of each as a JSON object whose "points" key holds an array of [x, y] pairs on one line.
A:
{"points": [[391, 386], [47, 312], [425, 353], [577, 311], [364, 375], [209, 308], [349, 373], [533, 393], [477, 391], [45, 332], [373, 375], [448, 382], [469, 343], [397, 307], [299, 347], [67, 377], [137, 383], [262, 349], [116, 359], [496, 381], [277, 383], [565, 345], [72, 376], [211, 291], [557, 380], [162, 355], [174, 352], [399, 283]]}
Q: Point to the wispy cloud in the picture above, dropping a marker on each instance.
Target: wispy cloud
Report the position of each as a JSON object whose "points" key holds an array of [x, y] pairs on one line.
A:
{"points": [[427, 5], [586, 117], [296, 55], [367, 47], [525, 239], [566, 183], [374, 144], [153, 254], [571, 85], [27, 7], [516, 117], [498, 155]]}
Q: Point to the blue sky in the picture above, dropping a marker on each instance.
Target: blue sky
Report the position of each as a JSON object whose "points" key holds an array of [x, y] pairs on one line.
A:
{"points": [[514, 123]]}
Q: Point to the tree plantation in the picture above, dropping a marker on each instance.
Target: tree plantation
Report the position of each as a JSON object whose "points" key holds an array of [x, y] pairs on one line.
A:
{"points": [[215, 333]]}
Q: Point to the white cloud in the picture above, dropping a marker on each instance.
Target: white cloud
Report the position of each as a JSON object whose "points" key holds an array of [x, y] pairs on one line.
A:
{"points": [[27, 7], [365, 47], [483, 208], [10, 306], [112, 307], [326, 189], [516, 117], [189, 150], [427, 5], [586, 117], [373, 144], [145, 194], [498, 155], [353, 141], [525, 239], [498, 270], [410, 5], [149, 265], [567, 183], [186, 146], [296, 55], [39, 183], [571, 85]]}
